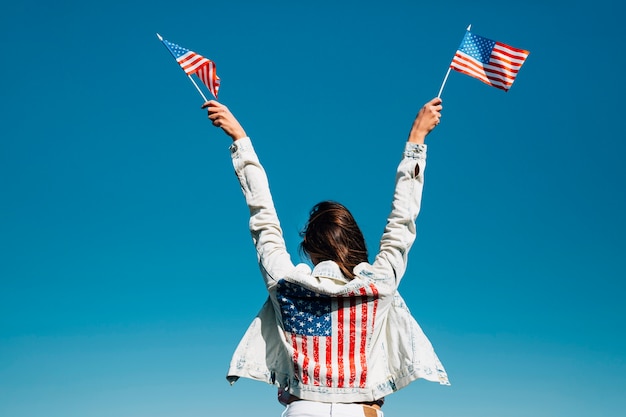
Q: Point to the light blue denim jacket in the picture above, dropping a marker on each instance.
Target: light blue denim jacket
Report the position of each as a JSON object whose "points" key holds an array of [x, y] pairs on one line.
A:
{"points": [[397, 352]]}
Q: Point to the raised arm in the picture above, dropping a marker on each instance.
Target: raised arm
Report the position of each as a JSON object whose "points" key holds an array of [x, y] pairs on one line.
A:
{"points": [[267, 235], [400, 231], [426, 120]]}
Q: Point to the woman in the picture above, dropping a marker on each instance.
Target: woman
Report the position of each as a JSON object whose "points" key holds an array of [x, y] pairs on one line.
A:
{"points": [[338, 338]]}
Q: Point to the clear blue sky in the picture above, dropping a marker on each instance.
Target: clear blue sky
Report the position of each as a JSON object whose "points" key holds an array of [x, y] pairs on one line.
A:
{"points": [[127, 275]]}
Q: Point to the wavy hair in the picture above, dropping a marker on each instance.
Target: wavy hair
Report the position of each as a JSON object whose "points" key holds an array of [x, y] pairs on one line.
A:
{"points": [[332, 234]]}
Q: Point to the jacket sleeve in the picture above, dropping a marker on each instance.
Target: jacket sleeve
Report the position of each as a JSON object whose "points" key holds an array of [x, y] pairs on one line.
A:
{"points": [[267, 235], [400, 230]]}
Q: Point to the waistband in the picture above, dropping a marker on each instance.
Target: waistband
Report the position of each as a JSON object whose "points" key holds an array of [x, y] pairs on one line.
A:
{"points": [[288, 399], [314, 408]]}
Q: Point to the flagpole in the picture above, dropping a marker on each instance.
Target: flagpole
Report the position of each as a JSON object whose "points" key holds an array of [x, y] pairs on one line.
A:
{"points": [[188, 75], [448, 73], [444, 82]]}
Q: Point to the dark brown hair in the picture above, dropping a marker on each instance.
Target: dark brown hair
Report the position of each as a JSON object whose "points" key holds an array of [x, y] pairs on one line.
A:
{"points": [[331, 234]]}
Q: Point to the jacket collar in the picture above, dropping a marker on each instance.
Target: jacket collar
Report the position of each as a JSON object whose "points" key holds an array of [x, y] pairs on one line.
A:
{"points": [[329, 269]]}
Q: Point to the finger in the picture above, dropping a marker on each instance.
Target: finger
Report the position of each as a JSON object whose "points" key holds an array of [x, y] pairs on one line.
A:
{"points": [[215, 112], [435, 101], [434, 111], [210, 103]]}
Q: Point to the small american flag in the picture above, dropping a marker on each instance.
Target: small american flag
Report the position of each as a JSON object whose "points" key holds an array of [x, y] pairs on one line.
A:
{"points": [[192, 63], [329, 335], [492, 62]]}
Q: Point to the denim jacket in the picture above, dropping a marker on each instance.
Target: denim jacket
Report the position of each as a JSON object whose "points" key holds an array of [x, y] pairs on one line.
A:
{"points": [[374, 346]]}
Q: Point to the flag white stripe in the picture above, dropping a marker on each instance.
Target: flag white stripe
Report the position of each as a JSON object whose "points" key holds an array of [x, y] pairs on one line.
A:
{"points": [[193, 66], [507, 60], [516, 54]]}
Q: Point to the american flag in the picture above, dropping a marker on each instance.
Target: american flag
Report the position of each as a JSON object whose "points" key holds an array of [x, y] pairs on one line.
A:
{"points": [[329, 335], [192, 63], [492, 62]]}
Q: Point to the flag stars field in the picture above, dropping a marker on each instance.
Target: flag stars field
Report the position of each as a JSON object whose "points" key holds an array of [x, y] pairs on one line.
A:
{"points": [[478, 47]]}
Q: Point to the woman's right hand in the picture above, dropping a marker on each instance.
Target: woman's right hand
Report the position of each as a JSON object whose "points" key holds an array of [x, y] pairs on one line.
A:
{"points": [[223, 118], [426, 120]]}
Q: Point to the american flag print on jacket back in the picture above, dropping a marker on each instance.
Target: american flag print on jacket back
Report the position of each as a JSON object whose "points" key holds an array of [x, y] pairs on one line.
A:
{"points": [[329, 336]]}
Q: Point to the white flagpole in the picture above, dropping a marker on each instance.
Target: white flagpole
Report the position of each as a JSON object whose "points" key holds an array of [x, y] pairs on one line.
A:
{"points": [[188, 75], [444, 83], [448, 73]]}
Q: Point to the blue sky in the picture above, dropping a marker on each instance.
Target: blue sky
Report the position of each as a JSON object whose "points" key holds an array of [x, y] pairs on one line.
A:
{"points": [[126, 271]]}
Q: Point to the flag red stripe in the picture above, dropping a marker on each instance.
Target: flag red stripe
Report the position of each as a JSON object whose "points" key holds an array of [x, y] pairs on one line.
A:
{"points": [[305, 362], [364, 330], [294, 344], [316, 359], [329, 362], [340, 338], [352, 340], [375, 295]]}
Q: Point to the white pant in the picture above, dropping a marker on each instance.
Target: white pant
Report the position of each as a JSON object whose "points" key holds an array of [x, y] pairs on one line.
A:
{"points": [[302, 408]]}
